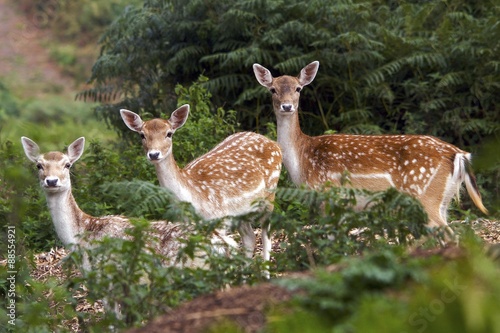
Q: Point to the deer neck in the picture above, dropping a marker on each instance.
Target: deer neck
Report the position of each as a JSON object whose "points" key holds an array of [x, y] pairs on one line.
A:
{"points": [[65, 215], [292, 141], [172, 178]]}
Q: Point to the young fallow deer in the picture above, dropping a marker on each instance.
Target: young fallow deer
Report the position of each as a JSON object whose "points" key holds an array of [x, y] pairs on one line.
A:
{"points": [[227, 181], [424, 167], [71, 223]]}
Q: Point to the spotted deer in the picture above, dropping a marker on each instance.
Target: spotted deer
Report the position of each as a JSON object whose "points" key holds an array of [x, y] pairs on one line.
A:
{"points": [[72, 224], [225, 182], [422, 166]]}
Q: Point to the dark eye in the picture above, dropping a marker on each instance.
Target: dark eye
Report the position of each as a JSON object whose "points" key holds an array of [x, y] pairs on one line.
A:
{"points": [[39, 166], [272, 90], [142, 136], [68, 165], [298, 89], [169, 134]]}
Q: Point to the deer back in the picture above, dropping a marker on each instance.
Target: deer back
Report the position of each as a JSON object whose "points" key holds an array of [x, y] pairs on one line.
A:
{"points": [[241, 169]]}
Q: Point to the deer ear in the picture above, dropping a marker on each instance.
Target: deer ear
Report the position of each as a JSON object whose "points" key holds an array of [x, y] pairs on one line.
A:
{"points": [[179, 117], [263, 75], [31, 149], [132, 120], [308, 73], [75, 150]]}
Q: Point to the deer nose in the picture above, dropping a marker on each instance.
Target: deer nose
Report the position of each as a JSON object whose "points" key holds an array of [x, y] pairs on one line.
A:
{"points": [[154, 155], [286, 107], [51, 182]]}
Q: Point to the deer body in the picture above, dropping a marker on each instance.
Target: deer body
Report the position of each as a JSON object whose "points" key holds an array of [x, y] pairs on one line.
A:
{"points": [[219, 187], [71, 223], [425, 167], [225, 182]]}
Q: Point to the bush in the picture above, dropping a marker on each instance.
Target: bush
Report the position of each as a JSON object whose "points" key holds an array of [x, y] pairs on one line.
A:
{"points": [[320, 228], [386, 67], [395, 292]]}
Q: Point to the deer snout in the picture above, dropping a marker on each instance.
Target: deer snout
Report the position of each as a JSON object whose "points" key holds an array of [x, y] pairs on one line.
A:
{"points": [[287, 107], [51, 181], [154, 155]]}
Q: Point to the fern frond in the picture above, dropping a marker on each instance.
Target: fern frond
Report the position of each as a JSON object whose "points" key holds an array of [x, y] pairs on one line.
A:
{"points": [[453, 79], [140, 198]]}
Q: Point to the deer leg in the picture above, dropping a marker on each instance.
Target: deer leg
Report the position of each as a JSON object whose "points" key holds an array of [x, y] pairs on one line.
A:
{"points": [[266, 247], [437, 212], [248, 238], [266, 241]]}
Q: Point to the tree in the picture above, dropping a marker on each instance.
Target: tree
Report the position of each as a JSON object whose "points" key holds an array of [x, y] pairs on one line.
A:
{"points": [[386, 66]]}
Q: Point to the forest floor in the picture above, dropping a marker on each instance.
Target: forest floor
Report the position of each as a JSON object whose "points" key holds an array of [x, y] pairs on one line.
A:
{"points": [[24, 59]]}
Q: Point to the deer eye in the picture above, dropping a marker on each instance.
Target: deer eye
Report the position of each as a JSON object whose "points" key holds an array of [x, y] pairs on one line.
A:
{"points": [[39, 166], [272, 90], [142, 136], [169, 134], [298, 89], [68, 165]]}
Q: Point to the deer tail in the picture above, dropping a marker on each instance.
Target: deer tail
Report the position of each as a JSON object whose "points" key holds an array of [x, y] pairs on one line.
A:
{"points": [[462, 171]]}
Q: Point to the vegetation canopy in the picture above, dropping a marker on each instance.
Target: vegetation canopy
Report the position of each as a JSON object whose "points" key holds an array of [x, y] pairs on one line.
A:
{"points": [[386, 66]]}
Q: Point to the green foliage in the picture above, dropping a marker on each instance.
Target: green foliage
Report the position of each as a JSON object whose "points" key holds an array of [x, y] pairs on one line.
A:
{"points": [[69, 57], [73, 28], [335, 296], [128, 274], [206, 126], [394, 292], [319, 228], [41, 306], [315, 228], [9, 105], [64, 55], [386, 66]]}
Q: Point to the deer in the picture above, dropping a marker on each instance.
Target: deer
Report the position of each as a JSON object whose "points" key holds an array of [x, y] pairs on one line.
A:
{"points": [[422, 166], [227, 181], [77, 228]]}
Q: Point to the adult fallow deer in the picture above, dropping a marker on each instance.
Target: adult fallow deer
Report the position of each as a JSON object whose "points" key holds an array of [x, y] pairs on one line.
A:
{"points": [[225, 182], [422, 166]]}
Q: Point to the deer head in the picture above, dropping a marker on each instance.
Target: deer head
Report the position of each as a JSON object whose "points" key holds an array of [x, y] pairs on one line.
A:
{"points": [[286, 89], [157, 133], [53, 167]]}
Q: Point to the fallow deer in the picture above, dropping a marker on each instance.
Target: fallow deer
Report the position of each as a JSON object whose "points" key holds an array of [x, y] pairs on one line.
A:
{"points": [[422, 166], [225, 182], [72, 224]]}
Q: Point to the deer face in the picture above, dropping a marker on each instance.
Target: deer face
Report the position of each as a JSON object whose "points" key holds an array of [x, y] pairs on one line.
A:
{"points": [[285, 89], [157, 133], [285, 92], [53, 172], [53, 167], [156, 136]]}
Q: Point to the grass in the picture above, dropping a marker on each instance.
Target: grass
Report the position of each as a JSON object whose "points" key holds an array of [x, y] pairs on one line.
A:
{"points": [[52, 117]]}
